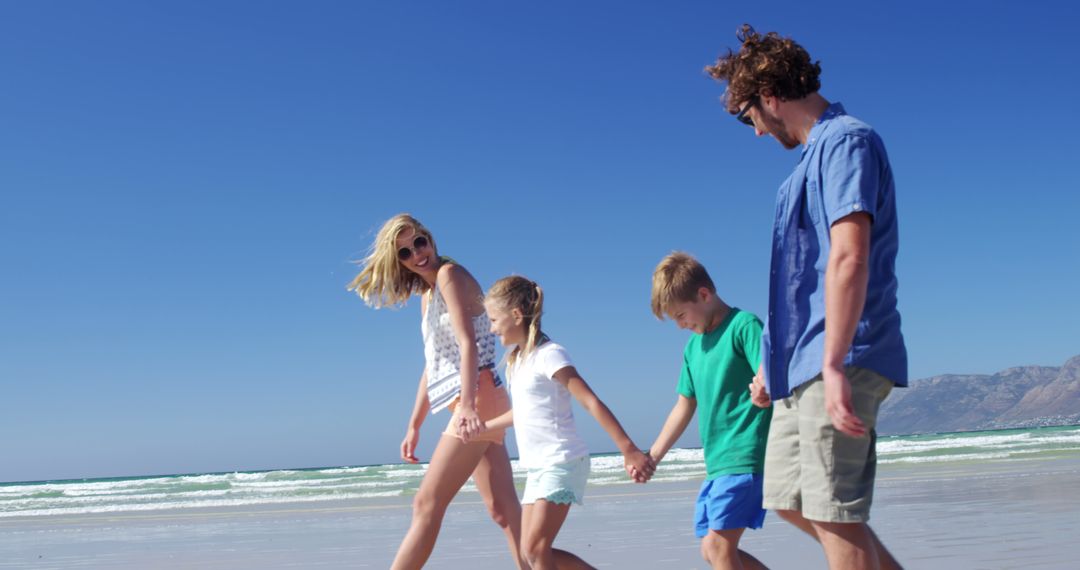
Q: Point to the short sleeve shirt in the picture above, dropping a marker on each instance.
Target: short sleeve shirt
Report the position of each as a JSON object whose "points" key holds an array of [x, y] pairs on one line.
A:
{"points": [[543, 415], [843, 170], [718, 367]]}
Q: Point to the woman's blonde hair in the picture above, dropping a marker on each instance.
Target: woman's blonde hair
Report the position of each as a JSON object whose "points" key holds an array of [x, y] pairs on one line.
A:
{"points": [[383, 281], [516, 292]]}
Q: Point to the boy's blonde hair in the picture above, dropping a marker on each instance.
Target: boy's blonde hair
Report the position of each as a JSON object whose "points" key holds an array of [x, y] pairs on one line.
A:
{"points": [[677, 279], [516, 292], [382, 280]]}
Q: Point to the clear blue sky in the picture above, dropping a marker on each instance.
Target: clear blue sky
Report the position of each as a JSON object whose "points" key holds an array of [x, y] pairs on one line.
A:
{"points": [[185, 184]]}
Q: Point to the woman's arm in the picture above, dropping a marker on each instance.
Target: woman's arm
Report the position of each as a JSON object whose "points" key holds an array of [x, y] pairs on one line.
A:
{"points": [[499, 422], [462, 295], [412, 433], [633, 458]]}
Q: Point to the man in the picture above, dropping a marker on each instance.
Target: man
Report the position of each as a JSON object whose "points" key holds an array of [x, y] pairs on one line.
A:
{"points": [[832, 348]]}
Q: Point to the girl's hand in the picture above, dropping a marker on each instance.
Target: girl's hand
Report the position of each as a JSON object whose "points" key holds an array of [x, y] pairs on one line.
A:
{"points": [[639, 466], [469, 424], [408, 446], [467, 437]]}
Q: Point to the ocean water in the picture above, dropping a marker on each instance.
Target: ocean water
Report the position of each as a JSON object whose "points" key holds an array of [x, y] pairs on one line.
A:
{"points": [[54, 498]]}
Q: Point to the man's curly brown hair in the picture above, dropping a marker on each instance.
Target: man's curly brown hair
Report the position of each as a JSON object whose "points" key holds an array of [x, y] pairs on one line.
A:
{"points": [[765, 65]]}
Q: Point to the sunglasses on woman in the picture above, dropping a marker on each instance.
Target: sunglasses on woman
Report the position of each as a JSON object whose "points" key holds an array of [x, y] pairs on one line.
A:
{"points": [[419, 243]]}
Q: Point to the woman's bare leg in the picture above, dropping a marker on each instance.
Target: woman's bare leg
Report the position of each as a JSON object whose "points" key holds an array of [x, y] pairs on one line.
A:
{"points": [[451, 465], [494, 479]]}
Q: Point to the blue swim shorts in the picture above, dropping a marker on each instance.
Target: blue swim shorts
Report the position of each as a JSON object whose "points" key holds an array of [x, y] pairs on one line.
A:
{"points": [[729, 502], [562, 483]]}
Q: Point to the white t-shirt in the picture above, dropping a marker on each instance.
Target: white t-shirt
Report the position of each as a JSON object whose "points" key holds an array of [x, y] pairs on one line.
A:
{"points": [[543, 417]]}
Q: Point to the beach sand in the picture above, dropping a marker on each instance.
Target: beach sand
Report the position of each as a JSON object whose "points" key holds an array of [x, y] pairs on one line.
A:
{"points": [[1009, 514]]}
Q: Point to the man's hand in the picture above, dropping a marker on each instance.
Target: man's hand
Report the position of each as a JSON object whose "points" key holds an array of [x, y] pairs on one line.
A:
{"points": [[838, 403]]}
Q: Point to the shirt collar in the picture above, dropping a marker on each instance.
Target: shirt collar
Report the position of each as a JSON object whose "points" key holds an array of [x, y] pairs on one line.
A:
{"points": [[832, 111]]}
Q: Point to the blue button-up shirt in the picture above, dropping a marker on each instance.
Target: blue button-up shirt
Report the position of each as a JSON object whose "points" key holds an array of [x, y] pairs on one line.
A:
{"points": [[843, 170]]}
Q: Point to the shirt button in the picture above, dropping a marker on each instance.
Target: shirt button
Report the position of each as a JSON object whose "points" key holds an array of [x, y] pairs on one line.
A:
{"points": [[856, 207]]}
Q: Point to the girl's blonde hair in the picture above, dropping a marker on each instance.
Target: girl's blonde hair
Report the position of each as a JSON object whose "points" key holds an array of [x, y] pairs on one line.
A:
{"points": [[516, 292], [382, 280]]}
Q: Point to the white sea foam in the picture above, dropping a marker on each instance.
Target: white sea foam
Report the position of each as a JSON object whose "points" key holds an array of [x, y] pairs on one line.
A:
{"points": [[945, 458], [1004, 441], [189, 504], [347, 470], [361, 483]]}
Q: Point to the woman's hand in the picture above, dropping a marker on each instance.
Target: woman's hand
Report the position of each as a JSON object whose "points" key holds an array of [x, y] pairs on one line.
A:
{"points": [[408, 446], [468, 422], [469, 437]]}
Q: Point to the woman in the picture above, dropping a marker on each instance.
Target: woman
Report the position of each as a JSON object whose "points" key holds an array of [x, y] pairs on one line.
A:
{"points": [[459, 374]]}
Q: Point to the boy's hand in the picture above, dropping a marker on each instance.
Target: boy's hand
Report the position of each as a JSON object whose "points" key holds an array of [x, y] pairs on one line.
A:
{"points": [[758, 395], [639, 466]]}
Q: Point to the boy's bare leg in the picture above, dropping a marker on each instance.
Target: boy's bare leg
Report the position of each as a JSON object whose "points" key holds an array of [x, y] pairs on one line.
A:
{"points": [[720, 548]]}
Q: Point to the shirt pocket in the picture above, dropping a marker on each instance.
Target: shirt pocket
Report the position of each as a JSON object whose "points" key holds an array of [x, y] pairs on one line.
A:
{"points": [[813, 201]]}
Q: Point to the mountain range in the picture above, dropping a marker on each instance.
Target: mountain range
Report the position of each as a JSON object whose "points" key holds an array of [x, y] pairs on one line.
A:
{"points": [[1025, 396]]}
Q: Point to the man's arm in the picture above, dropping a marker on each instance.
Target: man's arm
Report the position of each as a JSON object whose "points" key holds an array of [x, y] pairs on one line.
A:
{"points": [[846, 278]]}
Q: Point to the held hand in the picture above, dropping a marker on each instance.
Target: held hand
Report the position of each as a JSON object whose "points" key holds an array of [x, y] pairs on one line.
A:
{"points": [[467, 437], [408, 446], [468, 422], [758, 395], [838, 403], [639, 466]]}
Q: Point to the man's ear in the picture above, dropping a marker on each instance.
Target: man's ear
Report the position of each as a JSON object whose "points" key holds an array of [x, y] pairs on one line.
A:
{"points": [[769, 102]]}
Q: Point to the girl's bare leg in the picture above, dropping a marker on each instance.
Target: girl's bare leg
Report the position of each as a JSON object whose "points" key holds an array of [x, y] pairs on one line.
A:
{"points": [[541, 522]]}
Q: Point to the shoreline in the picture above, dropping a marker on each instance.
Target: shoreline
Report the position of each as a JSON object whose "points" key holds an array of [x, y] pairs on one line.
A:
{"points": [[988, 514]]}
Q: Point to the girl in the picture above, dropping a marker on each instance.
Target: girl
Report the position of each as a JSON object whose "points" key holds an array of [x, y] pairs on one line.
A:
{"points": [[459, 374], [542, 380]]}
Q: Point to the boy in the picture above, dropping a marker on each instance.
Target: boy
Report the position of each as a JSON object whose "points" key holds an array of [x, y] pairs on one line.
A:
{"points": [[718, 363]]}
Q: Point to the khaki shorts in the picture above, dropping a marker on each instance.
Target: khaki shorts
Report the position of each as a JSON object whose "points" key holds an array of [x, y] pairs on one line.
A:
{"points": [[812, 468], [491, 402]]}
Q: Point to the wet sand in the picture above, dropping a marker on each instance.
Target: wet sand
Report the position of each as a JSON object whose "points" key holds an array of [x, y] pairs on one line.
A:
{"points": [[1008, 514]]}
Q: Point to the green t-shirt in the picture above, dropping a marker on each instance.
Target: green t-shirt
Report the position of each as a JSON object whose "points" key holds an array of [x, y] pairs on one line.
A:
{"points": [[718, 367]]}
